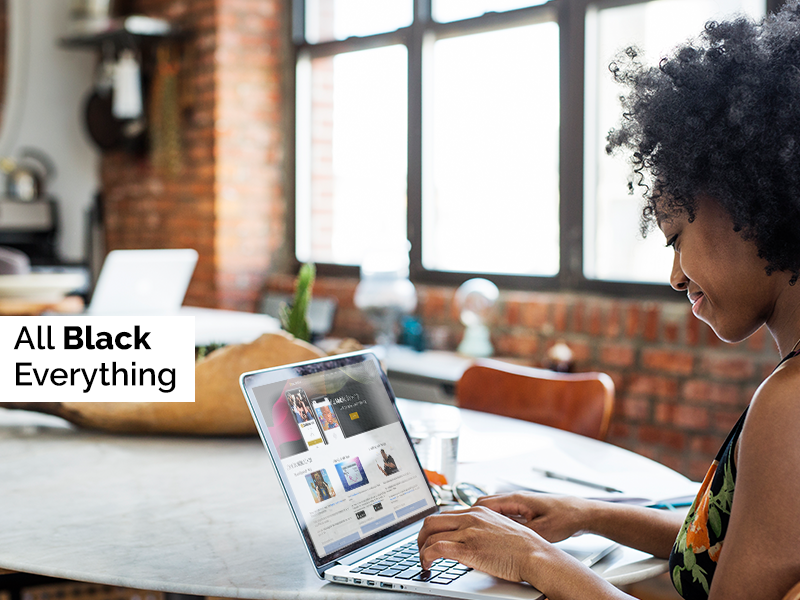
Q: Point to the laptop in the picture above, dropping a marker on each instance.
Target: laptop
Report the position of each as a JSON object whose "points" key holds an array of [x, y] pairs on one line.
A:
{"points": [[143, 282], [328, 426]]}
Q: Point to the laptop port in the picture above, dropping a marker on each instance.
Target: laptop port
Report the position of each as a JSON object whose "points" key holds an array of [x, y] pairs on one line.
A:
{"points": [[339, 578], [386, 585], [357, 581], [370, 582]]}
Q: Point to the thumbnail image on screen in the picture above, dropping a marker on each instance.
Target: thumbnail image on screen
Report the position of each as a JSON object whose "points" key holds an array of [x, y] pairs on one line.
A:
{"points": [[352, 474], [386, 463], [304, 415], [320, 486], [327, 420]]}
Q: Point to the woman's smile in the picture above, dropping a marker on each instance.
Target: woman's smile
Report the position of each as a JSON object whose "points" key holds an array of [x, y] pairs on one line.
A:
{"points": [[697, 300]]}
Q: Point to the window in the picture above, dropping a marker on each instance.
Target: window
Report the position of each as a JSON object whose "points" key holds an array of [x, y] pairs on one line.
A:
{"points": [[613, 248], [475, 129]]}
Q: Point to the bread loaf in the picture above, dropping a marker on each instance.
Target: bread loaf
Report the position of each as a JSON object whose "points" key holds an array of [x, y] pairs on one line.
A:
{"points": [[219, 407]]}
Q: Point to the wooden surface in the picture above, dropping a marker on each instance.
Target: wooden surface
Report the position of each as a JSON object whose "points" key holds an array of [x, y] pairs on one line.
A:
{"points": [[23, 307]]}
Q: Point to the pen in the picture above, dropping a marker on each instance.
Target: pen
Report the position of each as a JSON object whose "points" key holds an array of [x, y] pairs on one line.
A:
{"points": [[597, 486]]}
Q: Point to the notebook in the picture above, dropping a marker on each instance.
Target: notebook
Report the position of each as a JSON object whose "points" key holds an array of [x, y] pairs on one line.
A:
{"points": [[143, 282], [328, 426]]}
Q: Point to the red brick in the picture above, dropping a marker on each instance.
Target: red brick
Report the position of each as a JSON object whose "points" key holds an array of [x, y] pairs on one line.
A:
{"points": [[673, 460], [578, 317], [534, 314], [648, 385], [648, 452], [511, 312], [725, 367], [613, 321], [617, 377], [581, 351], [651, 319], [724, 420], [632, 320], [668, 438], [698, 390], [523, 345], [698, 468], [678, 362], [617, 355], [595, 320], [560, 316], [756, 341], [671, 332], [618, 431], [712, 339], [707, 445], [681, 415], [636, 409]]}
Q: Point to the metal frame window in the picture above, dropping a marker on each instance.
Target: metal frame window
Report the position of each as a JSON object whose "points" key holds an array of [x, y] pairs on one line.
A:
{"points": [[570, 16]]}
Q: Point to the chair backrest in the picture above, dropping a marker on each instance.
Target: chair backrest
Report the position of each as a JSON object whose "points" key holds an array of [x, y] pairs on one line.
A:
{"points": [[576, 402]]}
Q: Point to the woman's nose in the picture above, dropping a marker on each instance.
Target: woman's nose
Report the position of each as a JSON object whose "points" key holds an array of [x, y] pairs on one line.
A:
{"points": [[677, 278]]}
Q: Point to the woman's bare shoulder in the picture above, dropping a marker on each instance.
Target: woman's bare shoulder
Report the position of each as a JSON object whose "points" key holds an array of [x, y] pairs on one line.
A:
{"points": [[779, 393]]}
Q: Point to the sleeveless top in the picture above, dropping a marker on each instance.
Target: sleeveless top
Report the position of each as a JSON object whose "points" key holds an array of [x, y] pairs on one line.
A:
{"points": [[694, 556]]}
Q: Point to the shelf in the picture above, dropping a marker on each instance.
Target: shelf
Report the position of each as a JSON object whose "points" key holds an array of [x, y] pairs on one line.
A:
{"points": [[121, 32]]}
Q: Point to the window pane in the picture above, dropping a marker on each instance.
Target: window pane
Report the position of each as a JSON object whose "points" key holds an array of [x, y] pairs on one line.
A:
{"points": [[490, 198], [453, 10], [351, 154], [613, 247], [328, 20]]}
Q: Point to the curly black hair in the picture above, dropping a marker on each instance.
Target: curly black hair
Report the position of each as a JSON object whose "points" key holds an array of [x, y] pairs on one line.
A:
{"points": [[720, 116]]}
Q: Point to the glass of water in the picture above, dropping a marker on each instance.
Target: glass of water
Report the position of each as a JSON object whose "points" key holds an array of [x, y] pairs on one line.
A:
{"points": [[434, 432]]}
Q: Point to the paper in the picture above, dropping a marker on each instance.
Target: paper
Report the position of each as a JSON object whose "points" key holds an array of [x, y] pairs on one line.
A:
{"points": [[638, 482]]}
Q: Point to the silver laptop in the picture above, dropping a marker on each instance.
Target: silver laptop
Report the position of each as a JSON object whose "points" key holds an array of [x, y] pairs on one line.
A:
{"points": [[329, 426], [143, 282]]}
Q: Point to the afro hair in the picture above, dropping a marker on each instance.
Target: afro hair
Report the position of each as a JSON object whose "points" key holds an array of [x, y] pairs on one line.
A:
{"points": [[720, 117]]}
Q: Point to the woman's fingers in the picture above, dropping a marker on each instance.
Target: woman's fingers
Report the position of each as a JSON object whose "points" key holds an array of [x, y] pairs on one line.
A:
{"points": [[479, 538]]}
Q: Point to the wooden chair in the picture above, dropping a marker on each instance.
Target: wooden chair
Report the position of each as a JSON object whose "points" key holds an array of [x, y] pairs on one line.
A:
{"points": [[579, 402]]}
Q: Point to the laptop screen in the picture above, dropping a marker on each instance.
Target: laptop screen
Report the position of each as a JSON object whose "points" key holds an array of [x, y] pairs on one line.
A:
{"points": [[341, 451]]}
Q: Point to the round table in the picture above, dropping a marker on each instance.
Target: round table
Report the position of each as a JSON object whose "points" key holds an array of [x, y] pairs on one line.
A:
{"points": [[198, 516]]}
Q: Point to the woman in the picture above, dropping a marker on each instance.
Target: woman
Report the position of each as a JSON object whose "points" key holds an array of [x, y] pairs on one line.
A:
{"points": [[716, 129], [321, 489]]}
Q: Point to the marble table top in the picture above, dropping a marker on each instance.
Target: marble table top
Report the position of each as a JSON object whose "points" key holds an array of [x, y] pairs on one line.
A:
{"points": [[186, 515]]}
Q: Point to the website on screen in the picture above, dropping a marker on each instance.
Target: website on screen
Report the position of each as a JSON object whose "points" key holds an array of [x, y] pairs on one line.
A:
{"points": [[347, 459]]}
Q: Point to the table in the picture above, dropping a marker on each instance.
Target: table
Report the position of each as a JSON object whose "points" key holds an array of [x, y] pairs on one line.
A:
{"points": [[195, 516], [26, 307]]}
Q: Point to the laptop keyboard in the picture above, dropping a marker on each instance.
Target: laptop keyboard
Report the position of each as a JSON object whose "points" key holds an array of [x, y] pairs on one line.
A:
{"points": [[403, 563]]}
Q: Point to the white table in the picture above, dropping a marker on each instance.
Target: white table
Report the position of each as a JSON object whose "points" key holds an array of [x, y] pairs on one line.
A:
{"points": [[191, 516]]}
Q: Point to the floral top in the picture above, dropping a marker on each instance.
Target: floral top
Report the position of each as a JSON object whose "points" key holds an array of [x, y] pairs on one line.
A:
{"points": [[696, 551]]}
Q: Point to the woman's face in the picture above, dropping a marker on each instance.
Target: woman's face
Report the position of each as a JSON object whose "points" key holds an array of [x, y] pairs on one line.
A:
{"points": [[721, 273]]}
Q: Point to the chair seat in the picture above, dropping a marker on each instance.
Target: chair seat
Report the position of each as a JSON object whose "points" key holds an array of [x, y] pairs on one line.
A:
{"points": [[578, 402]]}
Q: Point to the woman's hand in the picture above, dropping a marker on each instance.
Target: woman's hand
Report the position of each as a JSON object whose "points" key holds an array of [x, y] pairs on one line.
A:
{"points": [[482, 539], [554, 518]]}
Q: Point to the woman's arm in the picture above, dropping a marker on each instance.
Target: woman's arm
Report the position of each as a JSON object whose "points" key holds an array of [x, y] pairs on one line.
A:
{"points": [[556, 518], [760, 556], [488, 541]]}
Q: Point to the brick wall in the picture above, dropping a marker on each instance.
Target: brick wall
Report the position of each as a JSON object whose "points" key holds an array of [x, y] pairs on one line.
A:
{"points": [[228, 200], [679, 389]]}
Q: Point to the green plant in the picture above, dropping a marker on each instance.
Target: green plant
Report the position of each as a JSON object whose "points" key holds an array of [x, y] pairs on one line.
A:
{"points": [[294, 318]]}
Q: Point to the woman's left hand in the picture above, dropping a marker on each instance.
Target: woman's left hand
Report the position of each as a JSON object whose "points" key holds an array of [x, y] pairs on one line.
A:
{"points": [[484, 540]]}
